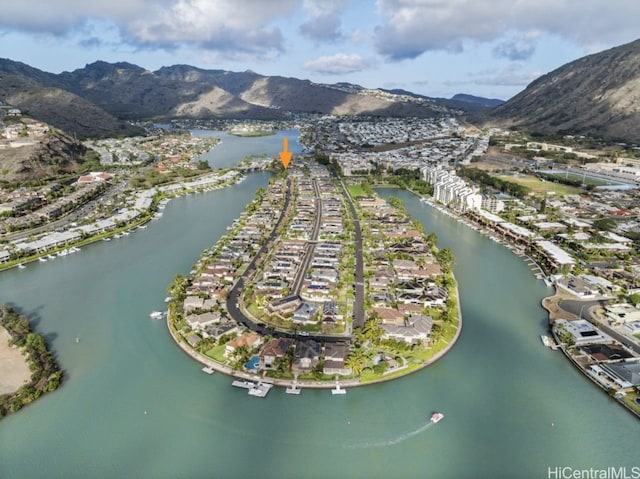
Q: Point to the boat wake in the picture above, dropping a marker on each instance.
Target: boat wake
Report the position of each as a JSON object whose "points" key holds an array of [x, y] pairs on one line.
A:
{"points": [[391, 442]]}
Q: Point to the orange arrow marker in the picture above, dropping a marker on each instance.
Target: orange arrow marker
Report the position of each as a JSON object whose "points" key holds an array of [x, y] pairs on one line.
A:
{"points": [[285, 154]]}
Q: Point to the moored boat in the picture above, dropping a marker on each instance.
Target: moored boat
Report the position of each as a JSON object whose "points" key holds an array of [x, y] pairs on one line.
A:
{"points": [[436, 417]]}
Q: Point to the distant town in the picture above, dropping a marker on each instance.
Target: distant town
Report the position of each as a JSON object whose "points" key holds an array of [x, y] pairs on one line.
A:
{"points": [[567, 205]]}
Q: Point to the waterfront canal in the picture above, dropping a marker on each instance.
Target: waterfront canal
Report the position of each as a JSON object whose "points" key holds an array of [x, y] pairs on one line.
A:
{"points": [[512, 407]]}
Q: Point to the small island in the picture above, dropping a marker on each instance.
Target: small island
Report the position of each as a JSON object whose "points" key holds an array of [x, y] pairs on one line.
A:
{"points": [[318, 284], [27, 368]]}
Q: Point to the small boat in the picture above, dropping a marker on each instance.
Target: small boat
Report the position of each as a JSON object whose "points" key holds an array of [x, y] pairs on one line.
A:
{"points": [[42, 259], [50, 256], [167, 299], [157, 314], [549, 342], [21, 266], [436, 417], [243, 384], [208, 369], [106, 239]]}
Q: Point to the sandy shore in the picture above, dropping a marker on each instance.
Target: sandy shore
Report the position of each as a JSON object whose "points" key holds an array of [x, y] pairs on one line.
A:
{"points": [[14, 370]]}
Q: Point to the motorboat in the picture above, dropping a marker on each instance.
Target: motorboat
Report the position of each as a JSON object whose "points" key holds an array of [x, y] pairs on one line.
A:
{"points": [[436, 417]]}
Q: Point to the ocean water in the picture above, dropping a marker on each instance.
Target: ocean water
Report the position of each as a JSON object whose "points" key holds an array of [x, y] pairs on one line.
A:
{"points": [[134, 405]]}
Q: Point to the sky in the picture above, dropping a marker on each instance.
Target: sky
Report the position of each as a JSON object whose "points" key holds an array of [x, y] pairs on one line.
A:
{"points": [[489, 48]]}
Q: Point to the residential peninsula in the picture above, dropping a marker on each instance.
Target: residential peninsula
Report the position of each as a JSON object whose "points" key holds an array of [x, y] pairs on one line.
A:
{"points": [[318, 283]]}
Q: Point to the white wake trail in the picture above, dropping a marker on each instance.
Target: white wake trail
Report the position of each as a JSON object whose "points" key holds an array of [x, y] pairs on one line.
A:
{"points": [[390, 442]]}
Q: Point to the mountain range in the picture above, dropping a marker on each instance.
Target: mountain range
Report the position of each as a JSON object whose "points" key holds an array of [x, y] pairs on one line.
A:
{"points": [[597, 95], [101, 98]]}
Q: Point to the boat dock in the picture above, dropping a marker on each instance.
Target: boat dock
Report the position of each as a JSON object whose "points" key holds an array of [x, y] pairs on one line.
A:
{"points": [[293, 389], [338, 390], [208, 370], [259, 389], [549, 342]]}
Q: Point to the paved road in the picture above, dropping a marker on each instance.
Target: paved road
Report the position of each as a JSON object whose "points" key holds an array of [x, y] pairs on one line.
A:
{"points": [[310, 246], [234, 295], [576, 307], [358, 303]]}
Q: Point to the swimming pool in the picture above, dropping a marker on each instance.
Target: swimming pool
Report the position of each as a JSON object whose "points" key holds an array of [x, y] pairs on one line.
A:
{"points": [[252, 364]]}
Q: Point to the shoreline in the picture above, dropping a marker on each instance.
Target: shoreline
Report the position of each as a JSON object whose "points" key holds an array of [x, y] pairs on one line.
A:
{"points": [[549, 304], [398, 373]]}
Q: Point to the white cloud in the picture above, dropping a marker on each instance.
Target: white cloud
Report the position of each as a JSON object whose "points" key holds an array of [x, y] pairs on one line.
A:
{"points": [[338, 64], [413, 27], [223, 25], [324, 19]]}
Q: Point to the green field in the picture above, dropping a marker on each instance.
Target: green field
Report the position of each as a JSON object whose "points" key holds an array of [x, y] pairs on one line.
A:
{"points": [[541, 187], [356, 191]]}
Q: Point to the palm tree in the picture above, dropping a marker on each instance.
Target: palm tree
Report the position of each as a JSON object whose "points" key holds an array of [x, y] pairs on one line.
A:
{"points": [[356, 361], [372, 331]]}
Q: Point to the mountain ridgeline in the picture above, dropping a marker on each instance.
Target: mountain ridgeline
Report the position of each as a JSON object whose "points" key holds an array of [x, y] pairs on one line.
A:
{"points": [[597, 95], [102, 98]]}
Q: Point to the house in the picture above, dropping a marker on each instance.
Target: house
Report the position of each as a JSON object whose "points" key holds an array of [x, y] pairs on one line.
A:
{"points": [[415, 330], [249, 340], [305, 313], [201, 321], [193, 339], [335, 356], [216, 330], [285, 305], [388, 315], [274, 349], [306, 356], [191, 303]]}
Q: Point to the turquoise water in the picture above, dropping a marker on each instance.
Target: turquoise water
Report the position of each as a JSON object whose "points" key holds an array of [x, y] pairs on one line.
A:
{"points": [[233, 148], [513, 408]]}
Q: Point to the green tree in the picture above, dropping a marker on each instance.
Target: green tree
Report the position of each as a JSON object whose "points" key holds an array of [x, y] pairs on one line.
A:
{"points": [[356, 361]]}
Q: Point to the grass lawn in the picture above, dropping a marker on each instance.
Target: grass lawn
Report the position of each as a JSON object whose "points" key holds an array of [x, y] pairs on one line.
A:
{"points": [[216, 353], [629, 400], [356, 191], [541, 187]]}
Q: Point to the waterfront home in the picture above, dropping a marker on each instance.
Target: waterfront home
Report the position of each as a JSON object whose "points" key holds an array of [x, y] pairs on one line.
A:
{"points": [[192, 303], [306, 356], [577, 287], [274, 349], [416, 329], [199, 322], [249, 340], [580, 331], [335, 356], [193, 339], [216, 330]]}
